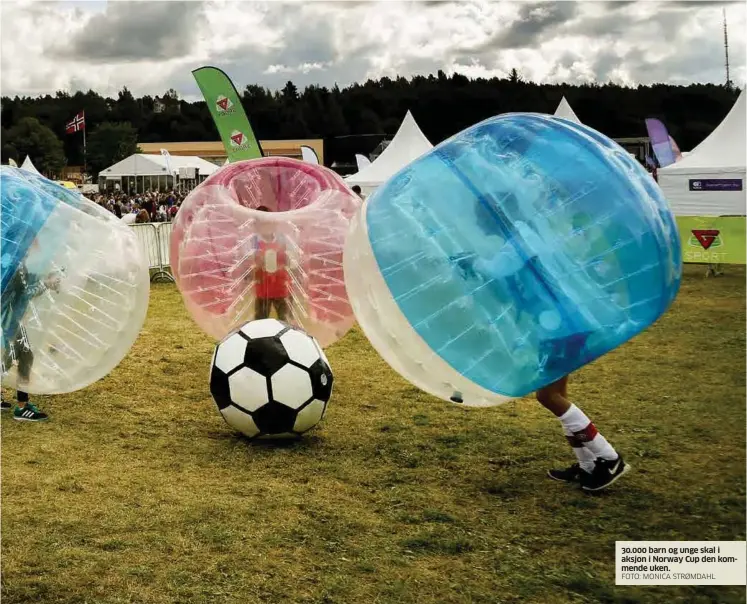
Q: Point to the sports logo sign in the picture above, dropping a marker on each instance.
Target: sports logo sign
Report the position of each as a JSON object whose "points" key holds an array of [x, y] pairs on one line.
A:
{"points": [[712, 239], [239, 140], [224, 105], [706, 238]]}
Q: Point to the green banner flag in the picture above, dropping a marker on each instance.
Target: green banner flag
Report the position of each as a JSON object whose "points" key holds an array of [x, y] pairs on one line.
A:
{"points": [[228, 114], [712, 239]]}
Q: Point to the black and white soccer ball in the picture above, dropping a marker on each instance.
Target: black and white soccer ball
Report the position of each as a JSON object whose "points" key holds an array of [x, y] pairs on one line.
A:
{"points": [[270, 380]]}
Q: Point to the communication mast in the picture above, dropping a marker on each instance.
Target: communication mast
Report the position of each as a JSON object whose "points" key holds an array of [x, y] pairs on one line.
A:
{"points": [[726, 53]]}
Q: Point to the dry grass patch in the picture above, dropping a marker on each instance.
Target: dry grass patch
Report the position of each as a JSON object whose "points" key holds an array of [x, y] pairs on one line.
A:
{"points": [[137, 491]]}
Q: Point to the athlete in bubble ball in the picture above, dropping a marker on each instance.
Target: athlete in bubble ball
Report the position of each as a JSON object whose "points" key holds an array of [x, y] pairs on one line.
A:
{"points": [[271, 275], [16, 348], [521, 263]]}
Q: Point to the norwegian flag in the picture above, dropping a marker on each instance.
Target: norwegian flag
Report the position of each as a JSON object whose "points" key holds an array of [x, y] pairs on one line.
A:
{"points": [[76, 124]]}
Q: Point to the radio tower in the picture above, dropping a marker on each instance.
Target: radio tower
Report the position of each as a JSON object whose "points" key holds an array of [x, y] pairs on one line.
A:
{"points": [[726, 52]]}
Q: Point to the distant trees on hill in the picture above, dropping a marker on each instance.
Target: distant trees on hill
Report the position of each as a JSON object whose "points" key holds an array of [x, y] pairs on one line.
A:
{"points": [[29, 137], [442, 105]]}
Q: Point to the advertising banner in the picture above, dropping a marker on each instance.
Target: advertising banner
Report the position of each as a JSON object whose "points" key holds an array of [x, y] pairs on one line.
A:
{"points": [[712, 239], [716, 184], [225, 106]]}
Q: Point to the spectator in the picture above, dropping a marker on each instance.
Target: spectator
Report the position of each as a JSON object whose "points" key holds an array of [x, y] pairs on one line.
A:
{"points": [[142, 217], [160, 207], [357, 190]]}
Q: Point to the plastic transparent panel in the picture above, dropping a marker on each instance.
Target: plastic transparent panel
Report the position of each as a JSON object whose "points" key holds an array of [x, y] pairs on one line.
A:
{"points": [[523, 248], [75, 290], [223, 251]]}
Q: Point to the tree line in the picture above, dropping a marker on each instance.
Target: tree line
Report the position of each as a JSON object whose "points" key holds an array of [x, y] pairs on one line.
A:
{"points": [[351, 120]]}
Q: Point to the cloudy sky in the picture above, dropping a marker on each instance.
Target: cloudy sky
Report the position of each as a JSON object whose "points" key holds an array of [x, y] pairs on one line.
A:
{"points": [[150, 46]]}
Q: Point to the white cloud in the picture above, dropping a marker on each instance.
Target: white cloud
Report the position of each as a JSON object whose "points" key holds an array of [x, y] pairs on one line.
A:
{"points": [[152, 46]]}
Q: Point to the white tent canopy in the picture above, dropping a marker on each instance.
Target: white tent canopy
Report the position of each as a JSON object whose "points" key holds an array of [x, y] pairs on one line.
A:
{"points": [[705, 182], [29, 166], [309, 155], [407, 145], [564, 110], [141, 164]]}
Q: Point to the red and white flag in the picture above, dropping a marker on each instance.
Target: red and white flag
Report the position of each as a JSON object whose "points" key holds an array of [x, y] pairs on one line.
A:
{"points": [[76, 124]]}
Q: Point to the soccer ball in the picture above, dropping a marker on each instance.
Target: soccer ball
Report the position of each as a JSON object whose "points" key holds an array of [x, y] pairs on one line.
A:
{"points": [[269, 380]]}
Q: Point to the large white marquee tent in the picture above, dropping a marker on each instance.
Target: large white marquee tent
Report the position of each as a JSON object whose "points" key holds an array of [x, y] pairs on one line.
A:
{"points": [[141, 172], [407, 145], [710, 180]]}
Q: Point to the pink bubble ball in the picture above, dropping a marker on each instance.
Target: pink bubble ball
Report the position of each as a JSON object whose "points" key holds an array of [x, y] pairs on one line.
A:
{"points": [[233, 263]]}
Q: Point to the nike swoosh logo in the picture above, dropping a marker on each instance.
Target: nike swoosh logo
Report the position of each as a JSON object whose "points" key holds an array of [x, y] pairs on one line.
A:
{"points": [[614, 469]]}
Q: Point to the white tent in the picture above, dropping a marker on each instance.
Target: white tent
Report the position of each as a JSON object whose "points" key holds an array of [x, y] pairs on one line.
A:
{"points": [[407, 145], [309, 155], [564, 110], [710, 180], [29, 166], [362, 161], [141, 164]]}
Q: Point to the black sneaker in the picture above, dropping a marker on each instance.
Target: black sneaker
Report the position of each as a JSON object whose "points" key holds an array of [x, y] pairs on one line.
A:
{"points": [[5, 406], [605, 473], [571, 474], [29, 413]]}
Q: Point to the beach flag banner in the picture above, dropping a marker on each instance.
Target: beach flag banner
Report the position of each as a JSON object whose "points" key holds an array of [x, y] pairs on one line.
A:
{"points": [[225, 106]]}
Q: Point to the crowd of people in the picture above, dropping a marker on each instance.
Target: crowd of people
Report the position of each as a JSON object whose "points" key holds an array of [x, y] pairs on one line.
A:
{"points": [[151, 206]]}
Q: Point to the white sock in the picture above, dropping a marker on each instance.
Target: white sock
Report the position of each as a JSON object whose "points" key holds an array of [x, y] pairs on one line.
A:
{"points": [[584, 456], [576, 421]]}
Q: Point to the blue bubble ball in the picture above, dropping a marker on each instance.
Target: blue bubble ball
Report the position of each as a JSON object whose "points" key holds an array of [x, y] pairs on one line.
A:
{"points": [[509, 256]]}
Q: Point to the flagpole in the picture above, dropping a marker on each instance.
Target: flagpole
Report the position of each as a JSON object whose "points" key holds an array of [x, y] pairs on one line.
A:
{"points": [[85, 168]]}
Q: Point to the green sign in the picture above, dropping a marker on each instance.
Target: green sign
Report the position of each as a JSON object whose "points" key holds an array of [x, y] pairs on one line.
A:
{"points": [[228, 114], [712, 239]]}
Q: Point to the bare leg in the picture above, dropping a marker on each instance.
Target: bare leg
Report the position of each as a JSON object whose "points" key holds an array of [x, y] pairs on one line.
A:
{"points": [[598, 465], [554, 397]]}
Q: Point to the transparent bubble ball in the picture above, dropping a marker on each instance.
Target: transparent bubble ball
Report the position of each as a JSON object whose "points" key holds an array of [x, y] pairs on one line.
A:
{"points": [[75, 286], [509, 256], [234, 264]]}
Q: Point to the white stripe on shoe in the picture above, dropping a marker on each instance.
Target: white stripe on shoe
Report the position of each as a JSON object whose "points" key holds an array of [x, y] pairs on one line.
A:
{"points": [[625, 470], [27, 415]]}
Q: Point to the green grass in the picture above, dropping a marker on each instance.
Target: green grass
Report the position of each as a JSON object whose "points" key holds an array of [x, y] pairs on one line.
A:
{"points": [[137, 491]]}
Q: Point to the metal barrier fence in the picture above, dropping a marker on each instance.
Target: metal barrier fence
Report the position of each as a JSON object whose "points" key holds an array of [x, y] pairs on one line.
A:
{"points": [[153, 239]]}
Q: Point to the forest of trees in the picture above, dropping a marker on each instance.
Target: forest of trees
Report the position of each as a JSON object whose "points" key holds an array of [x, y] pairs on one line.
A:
{"points": [[346, 118]]}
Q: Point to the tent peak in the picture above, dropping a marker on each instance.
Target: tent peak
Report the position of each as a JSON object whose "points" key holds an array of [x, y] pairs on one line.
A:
{"points": [[565, 111], [408, 144]]}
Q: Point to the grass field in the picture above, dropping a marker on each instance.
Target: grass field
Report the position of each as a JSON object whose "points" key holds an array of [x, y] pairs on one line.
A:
{"points": [[137, 491]]}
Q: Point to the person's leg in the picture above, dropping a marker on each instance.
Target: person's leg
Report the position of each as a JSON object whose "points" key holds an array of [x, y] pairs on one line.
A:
{"points": [[7, 364], [281, 308], [7, 356], [25, 359], [554, 398], [24, 410], [599, 463], [261, 308]]}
